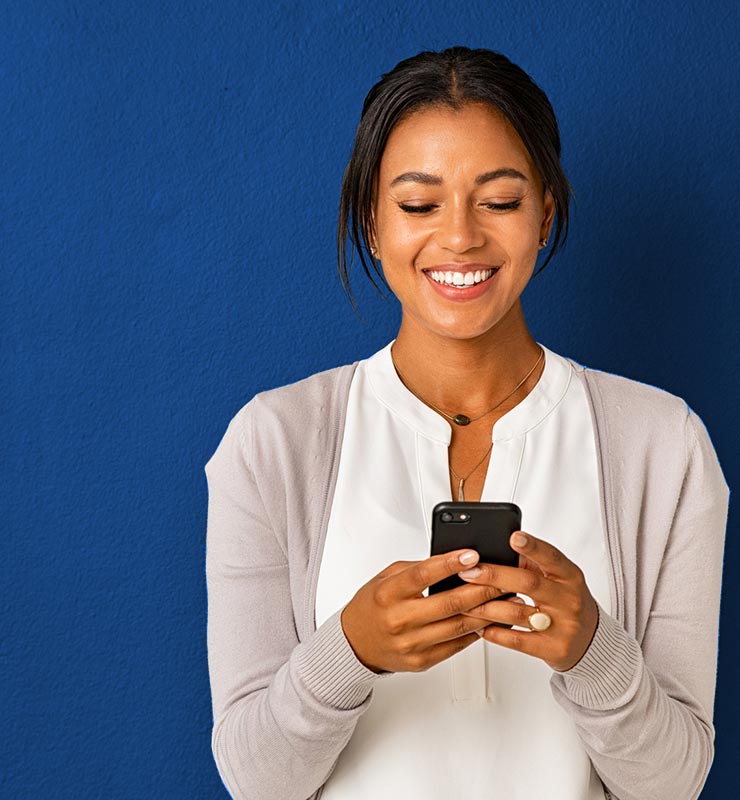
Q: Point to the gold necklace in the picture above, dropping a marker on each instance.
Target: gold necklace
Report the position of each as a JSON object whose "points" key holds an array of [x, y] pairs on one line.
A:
{"points": [[463, 419]]}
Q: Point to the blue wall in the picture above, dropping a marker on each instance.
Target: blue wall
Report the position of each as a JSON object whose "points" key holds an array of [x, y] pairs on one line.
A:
{"points": [[170, 179]]}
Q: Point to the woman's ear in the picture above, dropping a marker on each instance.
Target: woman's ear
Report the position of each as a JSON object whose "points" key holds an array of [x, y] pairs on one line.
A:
{"points": [[371, 235], [548, 216]]}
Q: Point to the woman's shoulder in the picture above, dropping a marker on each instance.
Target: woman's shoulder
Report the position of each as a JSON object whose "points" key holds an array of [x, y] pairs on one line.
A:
{"points": [[307, 409], [317, 392], [619, 393], [649, 424], [642, 417]]}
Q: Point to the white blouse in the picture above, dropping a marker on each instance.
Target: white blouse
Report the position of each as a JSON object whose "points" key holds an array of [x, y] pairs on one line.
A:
{"points": [[482, 724]]}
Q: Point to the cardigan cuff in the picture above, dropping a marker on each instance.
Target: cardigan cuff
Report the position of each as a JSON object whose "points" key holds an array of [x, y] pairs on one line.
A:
{"points": [[331, 671], [608, 674]]}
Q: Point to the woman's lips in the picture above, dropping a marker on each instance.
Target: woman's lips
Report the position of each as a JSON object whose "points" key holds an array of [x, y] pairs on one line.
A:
{"points": [[466, 291]]}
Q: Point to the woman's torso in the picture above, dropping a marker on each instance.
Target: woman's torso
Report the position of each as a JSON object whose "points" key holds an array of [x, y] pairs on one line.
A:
{"points": [[482, 724]]}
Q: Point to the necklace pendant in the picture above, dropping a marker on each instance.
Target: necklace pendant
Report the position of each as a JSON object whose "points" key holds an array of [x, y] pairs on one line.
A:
{"points": [[461, 419], [460, 495]]}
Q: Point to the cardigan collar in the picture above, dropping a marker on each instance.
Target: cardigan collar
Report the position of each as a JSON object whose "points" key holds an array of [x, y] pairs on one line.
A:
{"points": [[544, 397]]}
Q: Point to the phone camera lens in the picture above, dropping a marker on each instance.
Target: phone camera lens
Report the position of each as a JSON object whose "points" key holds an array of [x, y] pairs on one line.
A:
{"points": [[446, 517]]}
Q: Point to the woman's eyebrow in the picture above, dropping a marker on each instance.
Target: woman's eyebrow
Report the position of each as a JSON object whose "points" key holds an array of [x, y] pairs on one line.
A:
{"points": [[435, 180], [417, 177], [505, 172]]}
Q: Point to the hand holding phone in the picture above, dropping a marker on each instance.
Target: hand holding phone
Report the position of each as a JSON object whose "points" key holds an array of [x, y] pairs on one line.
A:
{"points": [[392, 627]]}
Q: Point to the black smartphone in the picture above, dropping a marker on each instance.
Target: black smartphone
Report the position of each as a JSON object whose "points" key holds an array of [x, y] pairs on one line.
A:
{"points": [[484, 527]]}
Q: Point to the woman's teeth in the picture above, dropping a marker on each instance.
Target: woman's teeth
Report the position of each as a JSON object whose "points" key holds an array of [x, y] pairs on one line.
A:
{"points": [[460, 278]]}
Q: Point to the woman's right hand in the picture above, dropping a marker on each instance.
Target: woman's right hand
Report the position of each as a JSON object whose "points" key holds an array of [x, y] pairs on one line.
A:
{"points": [[392, 627]]}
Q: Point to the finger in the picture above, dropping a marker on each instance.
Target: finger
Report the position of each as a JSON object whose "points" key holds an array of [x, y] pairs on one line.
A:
{"points": [[510, 612], [532, 643], [424, 573], [421, 661], [442, 631], [448, 604], [513, 579], [552, 562], [525, 563], [395, 568]]}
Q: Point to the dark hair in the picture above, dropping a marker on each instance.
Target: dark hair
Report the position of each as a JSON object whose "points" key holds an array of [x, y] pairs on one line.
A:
{"points": [[451, 78]]}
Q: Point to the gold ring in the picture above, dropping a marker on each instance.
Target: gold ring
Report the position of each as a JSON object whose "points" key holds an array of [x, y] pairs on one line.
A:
{"points": [[539, 621]]}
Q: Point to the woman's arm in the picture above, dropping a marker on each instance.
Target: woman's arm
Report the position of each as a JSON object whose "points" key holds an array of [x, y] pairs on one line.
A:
{"points": [[283, 710], [644, 710]]}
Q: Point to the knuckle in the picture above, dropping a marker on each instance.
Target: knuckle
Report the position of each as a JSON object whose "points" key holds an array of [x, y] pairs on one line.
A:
{"points": [[490, 593], [383, 595], [416, 662], [517, 639], [453, 604], [452, 562], [393, 568], [405, 647], [523, 615], [530, 583], [419, 571], [395, 623]]}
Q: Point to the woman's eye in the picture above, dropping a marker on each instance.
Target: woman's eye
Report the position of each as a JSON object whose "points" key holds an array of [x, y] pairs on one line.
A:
{"points": [[503, 206], [425, 209], [416, 209]]}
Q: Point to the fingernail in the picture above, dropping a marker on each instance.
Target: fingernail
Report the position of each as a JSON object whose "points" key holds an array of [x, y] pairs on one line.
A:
{"points": [[519, 539], [469, 557], [470, 573]]}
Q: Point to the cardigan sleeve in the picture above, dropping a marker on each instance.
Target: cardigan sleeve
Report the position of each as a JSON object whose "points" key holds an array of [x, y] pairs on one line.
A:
{"points": [[644, 710], [283, 710]]}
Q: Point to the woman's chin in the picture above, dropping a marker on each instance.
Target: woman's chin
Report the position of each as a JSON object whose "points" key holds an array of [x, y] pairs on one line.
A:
{"points": [[459, 331]]}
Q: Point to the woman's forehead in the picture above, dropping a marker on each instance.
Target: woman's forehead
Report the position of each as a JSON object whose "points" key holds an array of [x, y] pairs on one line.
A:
{"points": [[475, 139]]}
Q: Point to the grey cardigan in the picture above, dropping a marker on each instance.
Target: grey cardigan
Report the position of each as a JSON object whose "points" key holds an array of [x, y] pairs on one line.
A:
{"points": [[286, 696]]}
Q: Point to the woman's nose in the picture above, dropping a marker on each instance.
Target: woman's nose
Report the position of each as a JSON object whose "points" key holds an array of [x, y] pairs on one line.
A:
{"points": [[459, 229]]}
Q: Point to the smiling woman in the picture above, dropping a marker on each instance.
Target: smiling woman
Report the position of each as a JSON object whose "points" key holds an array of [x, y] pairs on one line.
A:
{"points": [[585, 672], [477, 208]]}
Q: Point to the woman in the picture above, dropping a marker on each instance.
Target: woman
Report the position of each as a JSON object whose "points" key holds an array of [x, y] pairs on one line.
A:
{"points": [[332, 672]]}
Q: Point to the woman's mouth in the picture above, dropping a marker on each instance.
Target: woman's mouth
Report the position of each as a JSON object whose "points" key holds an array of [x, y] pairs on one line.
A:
{"points": [[460, 280]]}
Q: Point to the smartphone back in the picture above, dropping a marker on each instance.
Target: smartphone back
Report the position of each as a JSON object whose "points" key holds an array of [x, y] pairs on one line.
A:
{"points": [[484, 527]]}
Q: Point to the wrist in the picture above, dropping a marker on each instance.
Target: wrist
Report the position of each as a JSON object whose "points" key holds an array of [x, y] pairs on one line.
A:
{"points": [[346, 622], [327, 666]]}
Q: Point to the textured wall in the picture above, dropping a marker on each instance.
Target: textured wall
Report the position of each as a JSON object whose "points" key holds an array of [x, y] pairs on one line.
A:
{"points": [[170, 178]]}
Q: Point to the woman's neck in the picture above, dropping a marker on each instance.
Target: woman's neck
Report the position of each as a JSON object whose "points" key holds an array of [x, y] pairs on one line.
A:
{"points": [[468, 375]]}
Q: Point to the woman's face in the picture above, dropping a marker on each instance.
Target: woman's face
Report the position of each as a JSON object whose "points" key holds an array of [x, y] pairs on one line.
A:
{"points": [[458, 201]]}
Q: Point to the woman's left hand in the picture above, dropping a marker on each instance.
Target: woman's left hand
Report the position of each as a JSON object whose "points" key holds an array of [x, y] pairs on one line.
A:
{"points": [[557, 587]]}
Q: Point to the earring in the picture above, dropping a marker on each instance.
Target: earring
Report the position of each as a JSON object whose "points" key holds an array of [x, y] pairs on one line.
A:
{"points": [[543, 242], [373, 251]]}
